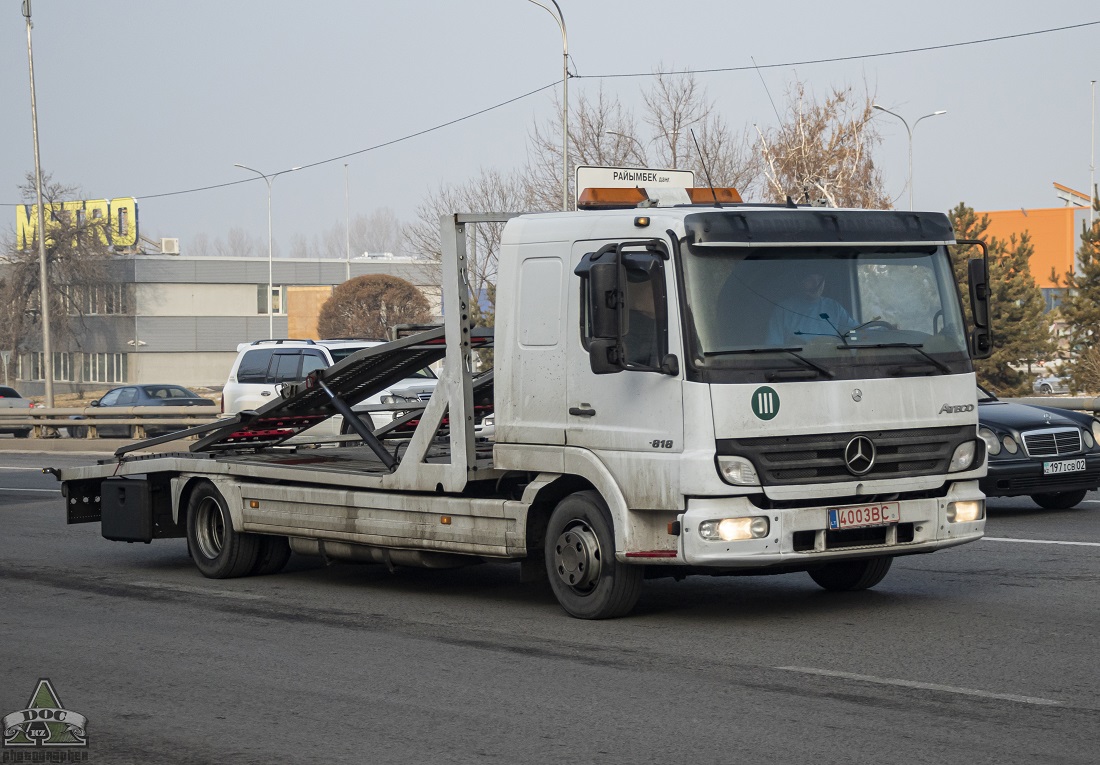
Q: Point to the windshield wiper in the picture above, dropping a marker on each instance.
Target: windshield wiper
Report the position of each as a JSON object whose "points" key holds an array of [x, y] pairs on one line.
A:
{"points": [[793, 351], [918, 347]]}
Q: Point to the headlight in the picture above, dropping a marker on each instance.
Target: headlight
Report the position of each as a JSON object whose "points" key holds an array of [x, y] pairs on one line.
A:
{"points": [[965, 512], [389, 399], [1096, 429], [1089, 440], [963, 457], [737, 471], [734, 529], [992, 445], [1010, 444]]}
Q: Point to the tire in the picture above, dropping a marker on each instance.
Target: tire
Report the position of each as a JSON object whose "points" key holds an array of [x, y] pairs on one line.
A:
{"points": [[580, 560], [77, 431], [851, 575], [1060, 500], [21, 433], [273, 554], [218, 550], [364, 417], [1044, 388]]}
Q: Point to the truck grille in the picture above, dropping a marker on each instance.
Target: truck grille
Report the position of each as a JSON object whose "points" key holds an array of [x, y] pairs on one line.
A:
{"points": [[819, 458], [1053, 442]]}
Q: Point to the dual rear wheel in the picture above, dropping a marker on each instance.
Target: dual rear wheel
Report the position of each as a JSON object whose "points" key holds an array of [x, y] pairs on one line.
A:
{"points": [[220, 551]]}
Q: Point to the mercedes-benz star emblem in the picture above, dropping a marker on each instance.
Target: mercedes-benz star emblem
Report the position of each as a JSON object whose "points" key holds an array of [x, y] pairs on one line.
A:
{"points": [[857, 395], [859, 455]]}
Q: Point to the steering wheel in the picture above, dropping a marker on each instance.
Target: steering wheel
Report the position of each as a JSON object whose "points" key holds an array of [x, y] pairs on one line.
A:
{"points": [[877, 324]]}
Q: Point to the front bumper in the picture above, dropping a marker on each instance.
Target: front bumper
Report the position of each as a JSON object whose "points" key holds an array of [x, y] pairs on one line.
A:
{"points": [[1017, 477], [801, 536]]}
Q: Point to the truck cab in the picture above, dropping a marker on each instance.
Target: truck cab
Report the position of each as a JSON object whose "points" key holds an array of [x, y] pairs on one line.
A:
{"points": [[746, 386]]}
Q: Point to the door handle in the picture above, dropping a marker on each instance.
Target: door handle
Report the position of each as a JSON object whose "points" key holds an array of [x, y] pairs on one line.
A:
{"points": [[579, 412]]}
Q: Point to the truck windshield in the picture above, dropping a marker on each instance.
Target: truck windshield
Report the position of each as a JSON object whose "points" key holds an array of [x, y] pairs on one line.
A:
{"points": [[807, 312]]}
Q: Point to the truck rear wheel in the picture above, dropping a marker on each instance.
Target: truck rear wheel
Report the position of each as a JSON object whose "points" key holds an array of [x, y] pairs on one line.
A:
{"points": [[850, 575], [273, 554], [580, 560], [219, 551]]}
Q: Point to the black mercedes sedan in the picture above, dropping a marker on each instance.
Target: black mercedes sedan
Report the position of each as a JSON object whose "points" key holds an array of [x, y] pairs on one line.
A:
{"points": [[1048, 454]]}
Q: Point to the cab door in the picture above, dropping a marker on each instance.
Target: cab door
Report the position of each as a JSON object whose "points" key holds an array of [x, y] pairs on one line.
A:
{"points": [[632, 419]]}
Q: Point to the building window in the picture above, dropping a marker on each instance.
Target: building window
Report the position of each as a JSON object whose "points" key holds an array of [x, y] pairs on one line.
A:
{"points": [[32, 367], [97, 299], [105, 367], [1052, 296], [277, 306]]}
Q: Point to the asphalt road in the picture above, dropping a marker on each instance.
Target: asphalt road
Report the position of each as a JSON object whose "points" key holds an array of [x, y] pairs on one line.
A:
{"points": [[981, 654]]}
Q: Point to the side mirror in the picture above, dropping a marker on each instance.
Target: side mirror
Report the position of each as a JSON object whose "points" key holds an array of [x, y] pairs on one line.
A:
{"points": [[603, 356], [94, 403], [605, 300], [981, 335]]}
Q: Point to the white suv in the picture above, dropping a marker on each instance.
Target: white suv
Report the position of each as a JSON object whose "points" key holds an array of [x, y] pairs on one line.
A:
{"points": [[263, 365]]}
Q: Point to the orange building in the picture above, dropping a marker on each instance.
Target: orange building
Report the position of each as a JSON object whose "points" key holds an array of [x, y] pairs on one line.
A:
{"points": [[1055, 234]]}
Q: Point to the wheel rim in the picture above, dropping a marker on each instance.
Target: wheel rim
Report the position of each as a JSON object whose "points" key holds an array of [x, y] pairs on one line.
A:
{"points": [[577, 557], [209, 528]]}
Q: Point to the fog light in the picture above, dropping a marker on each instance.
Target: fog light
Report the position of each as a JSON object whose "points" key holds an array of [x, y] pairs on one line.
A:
{"points": [[734, 529], [737, 471], [963, 457], [967, 511]]}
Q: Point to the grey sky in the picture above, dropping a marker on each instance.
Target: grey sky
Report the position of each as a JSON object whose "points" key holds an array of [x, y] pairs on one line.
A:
{"points": [[142, 99]]}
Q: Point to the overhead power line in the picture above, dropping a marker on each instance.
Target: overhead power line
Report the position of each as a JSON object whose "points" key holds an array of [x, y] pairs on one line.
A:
{"points": [[753, 66]]}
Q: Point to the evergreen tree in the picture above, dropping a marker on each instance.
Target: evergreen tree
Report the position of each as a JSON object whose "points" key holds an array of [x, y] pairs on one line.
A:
{"points": [[1080, 310], [1020, 329]]}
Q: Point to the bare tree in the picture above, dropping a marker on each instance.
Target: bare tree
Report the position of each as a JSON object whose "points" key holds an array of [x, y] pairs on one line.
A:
{"points": [[370, 306], [823, 150], [76, 253], [490, 191], [603, 132]]}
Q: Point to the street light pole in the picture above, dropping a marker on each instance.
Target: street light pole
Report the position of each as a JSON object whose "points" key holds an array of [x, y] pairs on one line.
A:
{"points": [[268, 179], [347, 226], [43, 272], [910, 132], [560, 19]]}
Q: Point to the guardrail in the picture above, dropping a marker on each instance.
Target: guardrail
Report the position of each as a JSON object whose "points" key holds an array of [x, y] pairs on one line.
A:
{"points": [[46, 422]]}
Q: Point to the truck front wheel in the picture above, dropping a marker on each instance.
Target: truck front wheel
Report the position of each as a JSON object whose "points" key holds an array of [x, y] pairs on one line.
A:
{"points": [[219, 551], [580, 560], [848, 575]]}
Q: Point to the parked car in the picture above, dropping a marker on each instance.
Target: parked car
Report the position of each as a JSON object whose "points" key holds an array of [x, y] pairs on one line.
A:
{"points": [[139, 395], [1048, 454], [262, 366], [10, 399], [1051, 384]]}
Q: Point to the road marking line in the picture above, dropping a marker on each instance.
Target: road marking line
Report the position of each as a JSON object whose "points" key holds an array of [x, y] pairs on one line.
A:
{"points": [[48, 491], [1090, 502], [1041, 542], [926, 686]]}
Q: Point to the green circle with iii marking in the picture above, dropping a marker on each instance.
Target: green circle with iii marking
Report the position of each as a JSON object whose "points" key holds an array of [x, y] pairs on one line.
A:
{"points": [[765, 403]]}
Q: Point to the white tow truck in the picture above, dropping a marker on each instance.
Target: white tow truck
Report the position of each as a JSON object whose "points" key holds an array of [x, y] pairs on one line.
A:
{"points": [[683, 384]]}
